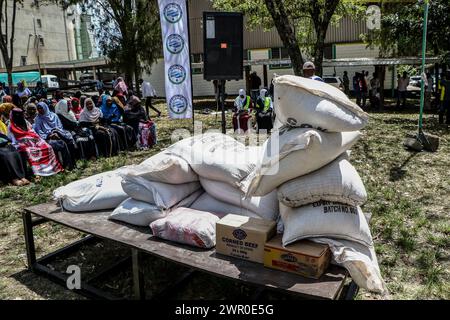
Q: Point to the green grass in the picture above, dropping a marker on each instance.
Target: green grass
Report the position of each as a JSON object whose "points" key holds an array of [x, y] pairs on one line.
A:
{"points": [[409, 198]]}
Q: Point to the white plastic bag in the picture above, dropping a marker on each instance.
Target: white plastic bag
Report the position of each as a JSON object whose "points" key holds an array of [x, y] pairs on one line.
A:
{"points": [[207, 203], [292, 153], [188, 226], [163, 195], [301, 101], [266, 206], [102, 191], [338, 181], [325, 219]]}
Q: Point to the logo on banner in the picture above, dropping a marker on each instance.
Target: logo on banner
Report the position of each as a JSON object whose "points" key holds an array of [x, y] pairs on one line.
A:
{"points": [[175, 43], [178, 104], [176, 74], [172, 12]]}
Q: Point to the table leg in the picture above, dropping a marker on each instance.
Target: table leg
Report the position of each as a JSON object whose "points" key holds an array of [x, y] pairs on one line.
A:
{"points": [[29, 240], [138, 277]]}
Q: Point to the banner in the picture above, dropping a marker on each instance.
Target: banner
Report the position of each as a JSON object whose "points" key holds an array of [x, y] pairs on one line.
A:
{"points": [[174, 27]]}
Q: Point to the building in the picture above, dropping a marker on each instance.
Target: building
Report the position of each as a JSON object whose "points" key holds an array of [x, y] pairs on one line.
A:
{"points": [[342, 41], [46, 34]]}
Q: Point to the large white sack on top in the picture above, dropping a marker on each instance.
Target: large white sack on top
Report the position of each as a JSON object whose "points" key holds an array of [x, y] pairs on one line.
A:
{"points": [[360, 261], [294, 152], [188, 226], [338, 181], [325, 219], [217, 156], [305, 102], [141, 213], [210, 204], [164, 167], [266, 207], [102, 191], [163, 195]]}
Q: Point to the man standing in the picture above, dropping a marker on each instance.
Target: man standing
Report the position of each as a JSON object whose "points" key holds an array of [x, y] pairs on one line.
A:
{"points": [[402, 85], [374, 94], [346, 82], [357, 88], [309, 70], [255, 84], [39, 91], [148, 92], [445, 104]]}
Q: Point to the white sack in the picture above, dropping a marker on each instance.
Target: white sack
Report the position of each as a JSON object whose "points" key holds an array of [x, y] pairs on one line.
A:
{"points": [[266, 207], [141, 213], [292, 153], [163, 195], [216, 156], [164, 167], [301, 101], [102, 191], [325, 219], [338, 182], [360, 261], [188, 226], [207, 203]]}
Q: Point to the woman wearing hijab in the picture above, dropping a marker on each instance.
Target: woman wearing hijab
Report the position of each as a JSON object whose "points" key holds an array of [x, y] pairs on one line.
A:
{"points": [[13, 169], [22, 90], [5, 110], [264, 108], [121, 86], [106, 139], [39, 154], [76, 108], [82, 136], [144, 129], [241, 116], [48, 126], [30, 112], [112, 116]]}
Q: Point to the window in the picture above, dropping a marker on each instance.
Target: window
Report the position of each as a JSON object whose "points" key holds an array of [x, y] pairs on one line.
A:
{"points": [[41, 41], [279, 53], [197, 58], [328, 51], [39, 23], [23, 60]]}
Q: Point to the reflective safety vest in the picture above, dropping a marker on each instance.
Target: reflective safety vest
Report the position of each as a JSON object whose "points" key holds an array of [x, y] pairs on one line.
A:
{"points": [[247, 103], [267, 103]]}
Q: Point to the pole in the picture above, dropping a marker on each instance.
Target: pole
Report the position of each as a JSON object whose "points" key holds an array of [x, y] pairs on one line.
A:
{"points": [[424, 48], [36, 37], [190, 63], [222, 103]]}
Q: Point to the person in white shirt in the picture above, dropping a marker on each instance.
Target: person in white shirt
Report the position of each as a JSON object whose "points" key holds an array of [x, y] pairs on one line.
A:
{"points": [[148, 92], [402, 85]]}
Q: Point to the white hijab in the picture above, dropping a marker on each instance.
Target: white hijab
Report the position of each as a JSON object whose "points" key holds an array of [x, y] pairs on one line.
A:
{"points": [[62, 109], [92, 115], [262, 93]]}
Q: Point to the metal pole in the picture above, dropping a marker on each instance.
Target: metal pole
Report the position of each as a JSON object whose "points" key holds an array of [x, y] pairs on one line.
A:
{"points": [[190, 63], [36, 37], [424, 48]]}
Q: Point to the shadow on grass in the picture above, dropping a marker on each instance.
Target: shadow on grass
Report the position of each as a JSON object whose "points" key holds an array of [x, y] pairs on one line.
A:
{"points": [[397, 173]]}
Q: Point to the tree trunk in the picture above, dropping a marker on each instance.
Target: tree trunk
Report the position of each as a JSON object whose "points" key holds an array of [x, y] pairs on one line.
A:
{"points": [[137, 75], [318, 53], [10, 78], [286, 34]]}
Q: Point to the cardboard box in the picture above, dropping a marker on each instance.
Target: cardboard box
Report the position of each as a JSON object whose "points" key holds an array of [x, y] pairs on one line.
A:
{"points": [[243, 237], [304, 257]]}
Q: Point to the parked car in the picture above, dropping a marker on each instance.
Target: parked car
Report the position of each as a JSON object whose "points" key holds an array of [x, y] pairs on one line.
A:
{"points": [[334, 81], [50, 81]]}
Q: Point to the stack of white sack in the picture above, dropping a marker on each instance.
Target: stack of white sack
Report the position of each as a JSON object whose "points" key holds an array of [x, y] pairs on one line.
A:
{"points": [[319, 190], [154, 187], [99, 192]]}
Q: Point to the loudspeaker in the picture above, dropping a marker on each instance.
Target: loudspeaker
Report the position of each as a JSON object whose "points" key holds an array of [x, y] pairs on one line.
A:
{"points": [[223, 45]]}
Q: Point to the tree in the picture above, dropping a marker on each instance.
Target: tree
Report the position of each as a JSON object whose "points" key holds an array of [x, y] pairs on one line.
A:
{"points": [[128, 32], [301, 24], [8, 28]]}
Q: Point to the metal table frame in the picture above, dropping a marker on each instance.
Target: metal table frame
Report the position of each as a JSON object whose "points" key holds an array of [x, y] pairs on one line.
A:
{"points": [[38, 266]]}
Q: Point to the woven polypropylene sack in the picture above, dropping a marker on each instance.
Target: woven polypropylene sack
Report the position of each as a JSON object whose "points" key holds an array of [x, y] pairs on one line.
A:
{"points": [[325, 219], [266, 206], [338, 181], [292, 153], [301, 101], [210, 204], [99, 192]]}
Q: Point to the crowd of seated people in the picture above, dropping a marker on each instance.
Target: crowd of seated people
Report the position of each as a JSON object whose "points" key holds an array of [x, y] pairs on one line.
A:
{"points": [[41, 136]]}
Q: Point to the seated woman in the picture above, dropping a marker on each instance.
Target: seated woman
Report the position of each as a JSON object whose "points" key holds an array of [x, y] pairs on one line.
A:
{"points": [[82, 136], [48, 126], [39, 154], [112, 116], [144, 129], [30, 113], [264, 108], [13, 169], [76, 108], [106, 139], [241, 116]]}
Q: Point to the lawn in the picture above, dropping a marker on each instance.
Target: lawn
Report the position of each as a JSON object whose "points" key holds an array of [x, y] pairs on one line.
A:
{"points": [[409, 198]]}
